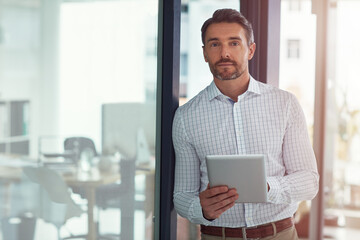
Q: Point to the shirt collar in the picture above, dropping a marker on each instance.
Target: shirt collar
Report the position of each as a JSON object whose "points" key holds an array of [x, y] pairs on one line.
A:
{"points": [[214, 92], [254, 86]]}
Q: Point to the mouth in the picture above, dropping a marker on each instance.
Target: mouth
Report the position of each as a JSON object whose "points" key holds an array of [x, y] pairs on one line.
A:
{"points": [[225, 64]]}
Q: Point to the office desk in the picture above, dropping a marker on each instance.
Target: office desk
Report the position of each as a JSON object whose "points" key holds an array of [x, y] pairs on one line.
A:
{"points": [[89, 182]]}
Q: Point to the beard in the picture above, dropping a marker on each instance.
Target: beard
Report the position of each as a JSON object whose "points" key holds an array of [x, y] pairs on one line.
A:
{"points": [[225, 73]]}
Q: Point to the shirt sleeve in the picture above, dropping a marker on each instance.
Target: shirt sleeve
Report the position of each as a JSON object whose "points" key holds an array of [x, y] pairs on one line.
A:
{"points": [[301, 180], [187, 175]]}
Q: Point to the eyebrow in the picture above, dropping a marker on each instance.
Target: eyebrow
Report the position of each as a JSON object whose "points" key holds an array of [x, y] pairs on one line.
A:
{"points": [[230, 38], [212, 39]]}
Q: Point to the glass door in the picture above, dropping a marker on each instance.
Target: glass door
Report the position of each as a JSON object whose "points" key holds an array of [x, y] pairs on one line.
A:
{"points": [[87, 71]]}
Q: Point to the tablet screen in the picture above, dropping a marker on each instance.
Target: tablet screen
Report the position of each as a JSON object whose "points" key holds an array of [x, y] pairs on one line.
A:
{"points": [[246, 173]]}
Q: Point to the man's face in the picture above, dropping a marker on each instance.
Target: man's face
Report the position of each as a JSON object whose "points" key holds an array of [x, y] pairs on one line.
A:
{"points": [[226, 50]]}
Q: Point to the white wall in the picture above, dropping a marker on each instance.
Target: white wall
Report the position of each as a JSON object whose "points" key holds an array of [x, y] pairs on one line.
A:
{"points": [[28, 62], [69, 58], [102, 60]]}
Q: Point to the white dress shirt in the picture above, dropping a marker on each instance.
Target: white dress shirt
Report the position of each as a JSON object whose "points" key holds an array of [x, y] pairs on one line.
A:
{"points": [[264, 120]]}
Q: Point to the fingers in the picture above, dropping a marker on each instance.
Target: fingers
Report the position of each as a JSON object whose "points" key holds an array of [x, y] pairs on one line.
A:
{"points": [[214, 201], [211, 192], [218, 198], [215, 214], [215, 210], [221, 201]]}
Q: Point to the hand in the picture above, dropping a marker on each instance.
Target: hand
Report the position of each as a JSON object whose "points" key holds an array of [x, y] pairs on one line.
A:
{"points": [[216, 200]]}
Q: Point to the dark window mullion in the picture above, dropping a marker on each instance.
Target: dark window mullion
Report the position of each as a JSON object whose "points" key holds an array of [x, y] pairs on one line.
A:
{"points": [[167, 103]]}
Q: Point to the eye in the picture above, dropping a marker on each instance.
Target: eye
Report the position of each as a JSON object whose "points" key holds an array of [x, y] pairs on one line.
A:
{"points": [[234, 43], [214, 44]]}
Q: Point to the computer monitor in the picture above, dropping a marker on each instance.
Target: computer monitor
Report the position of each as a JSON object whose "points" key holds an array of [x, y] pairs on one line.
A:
{"points": [[129, 129]]}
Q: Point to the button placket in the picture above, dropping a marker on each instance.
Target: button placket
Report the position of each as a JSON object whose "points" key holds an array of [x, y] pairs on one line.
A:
{"points": [[239, 128]]}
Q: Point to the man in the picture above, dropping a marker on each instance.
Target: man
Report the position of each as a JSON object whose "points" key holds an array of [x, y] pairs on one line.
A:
{"points": [[236, 114]]}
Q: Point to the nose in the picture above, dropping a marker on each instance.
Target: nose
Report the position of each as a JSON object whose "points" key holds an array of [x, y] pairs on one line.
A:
{"points": [[225, 52]]}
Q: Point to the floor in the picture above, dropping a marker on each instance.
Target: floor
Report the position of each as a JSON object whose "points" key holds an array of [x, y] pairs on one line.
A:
{"points": [[336, 233], [109, 223], [342, 233]]}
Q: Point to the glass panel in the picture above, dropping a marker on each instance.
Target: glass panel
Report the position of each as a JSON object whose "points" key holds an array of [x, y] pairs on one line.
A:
{"points": [[297, 73], [77, 118], [342, 162], [194, 71]]}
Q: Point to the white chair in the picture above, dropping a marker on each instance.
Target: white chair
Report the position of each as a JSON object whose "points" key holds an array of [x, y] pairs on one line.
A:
{"points": [[56, 204]]}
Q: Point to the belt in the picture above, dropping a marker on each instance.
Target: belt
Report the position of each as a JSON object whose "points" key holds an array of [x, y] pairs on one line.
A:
{"points": [[260, 231]]}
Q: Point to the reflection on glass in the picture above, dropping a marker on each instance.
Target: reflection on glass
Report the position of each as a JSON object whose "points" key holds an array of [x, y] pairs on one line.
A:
{"points": [[77, 118]]}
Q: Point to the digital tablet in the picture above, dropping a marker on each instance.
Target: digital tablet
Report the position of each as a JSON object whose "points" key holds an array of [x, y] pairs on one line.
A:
{"points": [[246, 173]]}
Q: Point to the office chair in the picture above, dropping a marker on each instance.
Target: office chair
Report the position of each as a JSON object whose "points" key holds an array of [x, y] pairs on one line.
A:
{"points": [[121, 196], [73, 149], [40, 193], [56, 205], [78, 145]]}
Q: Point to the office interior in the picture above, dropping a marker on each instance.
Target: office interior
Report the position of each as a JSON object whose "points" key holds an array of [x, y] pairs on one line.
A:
{"points": [[88, 89]]}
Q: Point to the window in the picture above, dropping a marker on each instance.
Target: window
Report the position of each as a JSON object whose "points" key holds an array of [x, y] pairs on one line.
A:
{"points": [[298, 77], [293, 49], [341, 162], [295, 5], [80, 78], [342, 135]]}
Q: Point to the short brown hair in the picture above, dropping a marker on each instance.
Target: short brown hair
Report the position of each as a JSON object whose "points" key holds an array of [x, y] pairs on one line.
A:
{"points": [[229, 16]]}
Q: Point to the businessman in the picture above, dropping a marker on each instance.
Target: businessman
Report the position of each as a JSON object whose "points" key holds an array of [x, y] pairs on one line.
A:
{"points": [[236, 114]]}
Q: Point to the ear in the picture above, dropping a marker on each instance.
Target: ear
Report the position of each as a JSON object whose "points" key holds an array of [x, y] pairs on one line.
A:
{"points": [[252, 49], [204, 53]]}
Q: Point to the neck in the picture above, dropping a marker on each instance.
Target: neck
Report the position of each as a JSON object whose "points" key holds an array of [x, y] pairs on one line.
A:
{"points": [[233, 88]]}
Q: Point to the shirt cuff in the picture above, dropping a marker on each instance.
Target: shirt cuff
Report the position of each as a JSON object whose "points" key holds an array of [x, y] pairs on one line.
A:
{"points": [[198, 214], [275, 189]]}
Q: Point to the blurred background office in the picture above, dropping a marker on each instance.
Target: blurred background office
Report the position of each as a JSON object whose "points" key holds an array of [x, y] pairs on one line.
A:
{"points": [[78, 84]]}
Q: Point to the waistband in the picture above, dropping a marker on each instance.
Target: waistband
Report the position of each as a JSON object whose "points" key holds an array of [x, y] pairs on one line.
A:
{"points": [[260, 231]]}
